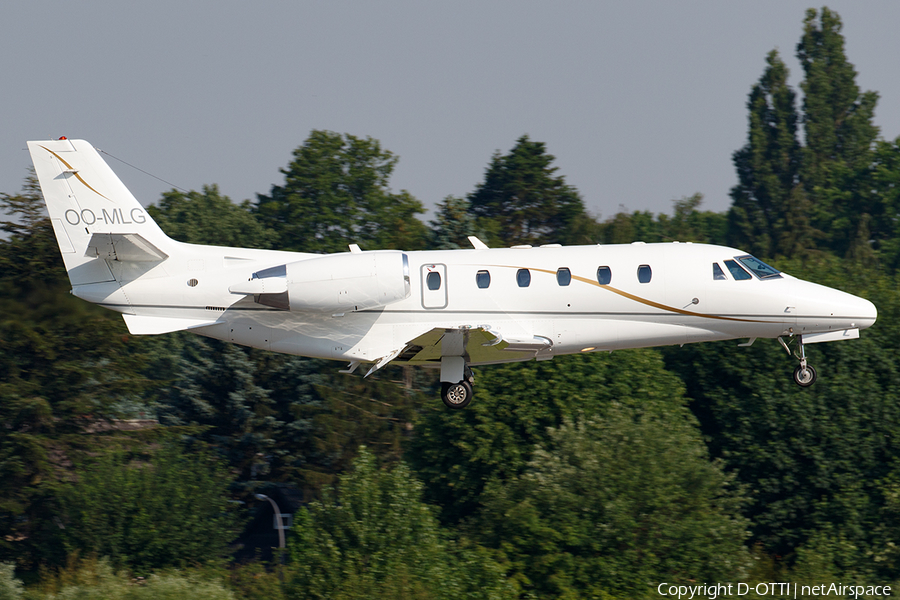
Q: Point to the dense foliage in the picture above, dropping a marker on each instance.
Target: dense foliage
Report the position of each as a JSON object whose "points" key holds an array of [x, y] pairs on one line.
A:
{"points": [[375, 538], [597, 475], [164, 508]]}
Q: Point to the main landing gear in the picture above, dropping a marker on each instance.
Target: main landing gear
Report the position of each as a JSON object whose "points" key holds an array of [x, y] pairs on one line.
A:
{"points": [[456, 395], [459, 394], [804, 375]]}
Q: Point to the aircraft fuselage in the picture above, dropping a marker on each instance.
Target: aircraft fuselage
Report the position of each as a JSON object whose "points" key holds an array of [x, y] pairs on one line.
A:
{"points": [[445, 308]]}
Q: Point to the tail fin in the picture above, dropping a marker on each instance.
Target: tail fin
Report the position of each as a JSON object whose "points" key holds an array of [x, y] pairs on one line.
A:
{"points": [[95, 217]]}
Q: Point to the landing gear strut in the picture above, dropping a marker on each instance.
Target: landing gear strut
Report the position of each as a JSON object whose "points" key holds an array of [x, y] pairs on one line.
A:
{"points": [[804, 375]]}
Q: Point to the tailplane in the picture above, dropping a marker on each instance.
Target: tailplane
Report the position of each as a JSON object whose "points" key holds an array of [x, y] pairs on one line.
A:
{"points": [[94, 216]]}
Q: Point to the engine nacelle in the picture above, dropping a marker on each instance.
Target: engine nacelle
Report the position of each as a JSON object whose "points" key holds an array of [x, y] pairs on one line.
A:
{"points": [[339, 283]]}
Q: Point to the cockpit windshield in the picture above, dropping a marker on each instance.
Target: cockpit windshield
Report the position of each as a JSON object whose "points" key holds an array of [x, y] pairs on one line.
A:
{"points": [[759, 268]]}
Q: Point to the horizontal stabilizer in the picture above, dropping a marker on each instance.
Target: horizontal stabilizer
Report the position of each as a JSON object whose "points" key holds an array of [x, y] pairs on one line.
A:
{"points": [[144, 325], [123, 247]]}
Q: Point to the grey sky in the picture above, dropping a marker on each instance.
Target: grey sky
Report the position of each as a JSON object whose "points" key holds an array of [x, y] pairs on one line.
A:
{"points": [[640, 102]]}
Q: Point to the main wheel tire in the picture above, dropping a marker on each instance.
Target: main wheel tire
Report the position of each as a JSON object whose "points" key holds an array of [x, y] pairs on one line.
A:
{"points": [[805, 377], [456, 395]]}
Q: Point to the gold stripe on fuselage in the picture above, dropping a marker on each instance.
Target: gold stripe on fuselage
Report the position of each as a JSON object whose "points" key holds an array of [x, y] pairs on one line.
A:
{"points": [[643, 301]]}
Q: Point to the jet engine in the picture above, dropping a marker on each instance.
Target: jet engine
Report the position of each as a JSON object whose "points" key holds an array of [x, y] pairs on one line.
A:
{"points": [[335, 283]]}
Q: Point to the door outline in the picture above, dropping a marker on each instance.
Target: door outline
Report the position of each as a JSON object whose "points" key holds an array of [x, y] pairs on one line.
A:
{"points": [[434, 299]]}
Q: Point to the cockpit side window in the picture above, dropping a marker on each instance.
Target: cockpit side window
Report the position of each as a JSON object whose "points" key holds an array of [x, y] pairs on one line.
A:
{"points": [[736, 271], [759, 268], [717, 272]]}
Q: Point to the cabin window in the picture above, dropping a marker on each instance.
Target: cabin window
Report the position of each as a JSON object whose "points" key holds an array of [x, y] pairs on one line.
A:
{"points": [[717, 272], [644, 273], [736, 271], [483, 279], [604, 275], [433, 280], [563, 276], [759, 268], [523, 277]]}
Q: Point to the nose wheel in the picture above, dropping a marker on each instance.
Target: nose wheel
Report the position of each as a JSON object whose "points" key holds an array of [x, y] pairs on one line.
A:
{"points": [[804, 375]]}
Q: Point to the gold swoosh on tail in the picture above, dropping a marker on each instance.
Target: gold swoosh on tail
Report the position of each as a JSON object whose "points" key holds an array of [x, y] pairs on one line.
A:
{"points": [[74, 172]]}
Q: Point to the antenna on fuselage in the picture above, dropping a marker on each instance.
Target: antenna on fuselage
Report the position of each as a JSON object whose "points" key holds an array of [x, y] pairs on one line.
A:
{"points": [[477, 244]]}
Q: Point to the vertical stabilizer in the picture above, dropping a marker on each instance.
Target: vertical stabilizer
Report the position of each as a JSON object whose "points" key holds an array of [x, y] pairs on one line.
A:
{"points": [[86, 200]]}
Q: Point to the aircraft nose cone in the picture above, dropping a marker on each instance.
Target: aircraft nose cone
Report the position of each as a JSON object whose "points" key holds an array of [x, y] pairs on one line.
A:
{"points": [[858, 312], [819, 305], [867, 313]]}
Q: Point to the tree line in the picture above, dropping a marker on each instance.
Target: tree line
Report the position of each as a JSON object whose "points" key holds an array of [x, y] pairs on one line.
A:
{"points": [[597, 475]]}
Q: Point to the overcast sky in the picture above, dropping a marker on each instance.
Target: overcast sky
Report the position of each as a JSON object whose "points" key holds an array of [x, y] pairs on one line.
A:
{"points": [[641, 102]]}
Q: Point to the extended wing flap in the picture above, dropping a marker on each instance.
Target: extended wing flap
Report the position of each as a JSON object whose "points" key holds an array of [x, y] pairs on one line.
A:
{"points": [[481, 345], [129, 247]]}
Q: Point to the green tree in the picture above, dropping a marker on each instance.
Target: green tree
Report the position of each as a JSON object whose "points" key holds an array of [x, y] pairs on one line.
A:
{"points": [[686, 224], [280, 418], [29, 253], [10, 587], [455, 453], [67, 369], [615, 504], [452, 225], [624, 228], [336, 193], [523, 201], [215, 387], [818, 460], [839, 132], [769, 215], [95, 579], [375, 538], [152, 510], [208, 217], [885, 177]]}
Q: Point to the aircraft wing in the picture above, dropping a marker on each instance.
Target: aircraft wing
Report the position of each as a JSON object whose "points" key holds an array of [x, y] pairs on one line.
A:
{"points": [[479, 345]]}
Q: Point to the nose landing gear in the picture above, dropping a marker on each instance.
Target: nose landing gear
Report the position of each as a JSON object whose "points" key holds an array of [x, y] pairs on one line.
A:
{"points": [[804, 375]]}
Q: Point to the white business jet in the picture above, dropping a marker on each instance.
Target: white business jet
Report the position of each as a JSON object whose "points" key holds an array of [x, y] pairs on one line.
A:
{"points": [[447, 309]]}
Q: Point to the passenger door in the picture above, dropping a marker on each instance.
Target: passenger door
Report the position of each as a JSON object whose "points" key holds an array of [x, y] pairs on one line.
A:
{"points": [[434, 286]]}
